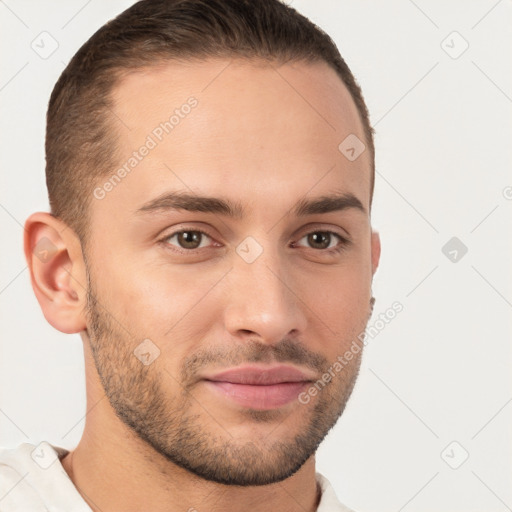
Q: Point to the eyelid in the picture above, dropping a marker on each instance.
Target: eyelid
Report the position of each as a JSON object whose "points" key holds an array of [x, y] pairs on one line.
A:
{"points": [[163, 239], [335, 233], [326, 228], [344, 239]]}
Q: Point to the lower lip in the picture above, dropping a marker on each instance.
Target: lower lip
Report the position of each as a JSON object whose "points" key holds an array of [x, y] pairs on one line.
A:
{"points": [[259, 397]]}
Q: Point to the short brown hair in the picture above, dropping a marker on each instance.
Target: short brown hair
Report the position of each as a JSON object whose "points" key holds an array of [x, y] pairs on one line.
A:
{"points": [[80, 135]]}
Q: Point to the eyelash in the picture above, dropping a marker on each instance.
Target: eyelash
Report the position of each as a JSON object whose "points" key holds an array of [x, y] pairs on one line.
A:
{"points": [[342, 245]]}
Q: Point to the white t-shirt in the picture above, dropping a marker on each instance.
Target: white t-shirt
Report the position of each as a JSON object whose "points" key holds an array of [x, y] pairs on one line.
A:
{"points": [[32, 479]]}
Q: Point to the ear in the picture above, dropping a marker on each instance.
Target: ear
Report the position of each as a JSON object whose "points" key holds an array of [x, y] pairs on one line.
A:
{"points": [[57, 271], [375, 251]]}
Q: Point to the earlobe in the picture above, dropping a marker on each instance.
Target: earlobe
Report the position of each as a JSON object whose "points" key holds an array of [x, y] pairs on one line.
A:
{"points": [[57, 271]]}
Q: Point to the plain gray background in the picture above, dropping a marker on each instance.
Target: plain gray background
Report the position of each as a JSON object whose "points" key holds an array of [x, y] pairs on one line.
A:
{"points": [[434, 387]]}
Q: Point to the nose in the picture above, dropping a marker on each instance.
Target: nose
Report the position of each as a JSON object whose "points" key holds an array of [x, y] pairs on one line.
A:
{"points": [[264, 301]]}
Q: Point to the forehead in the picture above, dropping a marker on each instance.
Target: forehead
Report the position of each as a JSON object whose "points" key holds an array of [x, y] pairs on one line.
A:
{"points": [[239, 126], [269, 95]]}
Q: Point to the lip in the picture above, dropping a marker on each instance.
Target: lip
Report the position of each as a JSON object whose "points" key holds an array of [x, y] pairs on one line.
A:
{"points": [[259, 387]]}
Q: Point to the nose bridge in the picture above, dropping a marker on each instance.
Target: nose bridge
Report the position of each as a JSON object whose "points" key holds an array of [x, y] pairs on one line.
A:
{"points": [[261, 298]]}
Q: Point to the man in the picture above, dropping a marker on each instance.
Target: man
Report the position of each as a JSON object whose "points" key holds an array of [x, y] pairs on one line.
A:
{"points": [[210, 170]]}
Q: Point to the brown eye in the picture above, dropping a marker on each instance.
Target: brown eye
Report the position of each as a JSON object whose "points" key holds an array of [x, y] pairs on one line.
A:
{"points": [[325, 242], [322, 240], [188, 239], [319, 240]]}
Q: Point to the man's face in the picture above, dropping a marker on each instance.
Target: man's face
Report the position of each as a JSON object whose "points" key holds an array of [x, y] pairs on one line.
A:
{"points": [[242, 318]]}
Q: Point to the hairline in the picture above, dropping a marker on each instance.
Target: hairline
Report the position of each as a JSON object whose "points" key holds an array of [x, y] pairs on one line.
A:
{"points": [[121, 72]]}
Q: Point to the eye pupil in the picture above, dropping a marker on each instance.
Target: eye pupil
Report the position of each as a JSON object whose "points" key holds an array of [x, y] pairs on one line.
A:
{"points": [[324, 239], [189, 239]]}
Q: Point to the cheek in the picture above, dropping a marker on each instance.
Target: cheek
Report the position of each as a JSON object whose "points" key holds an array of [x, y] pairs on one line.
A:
{"points": [[162, 302], [340, 306], [343, 290]]}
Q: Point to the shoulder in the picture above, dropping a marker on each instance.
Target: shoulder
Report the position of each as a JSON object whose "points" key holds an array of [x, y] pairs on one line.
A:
{"points": [[15, 491], [33, 479], [27, 456], [329, 502]]}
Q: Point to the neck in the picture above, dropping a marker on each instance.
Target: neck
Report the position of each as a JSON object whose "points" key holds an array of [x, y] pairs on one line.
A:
{"points": [[110, 478]]}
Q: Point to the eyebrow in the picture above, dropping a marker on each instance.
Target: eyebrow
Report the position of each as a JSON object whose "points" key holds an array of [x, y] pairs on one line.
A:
{"points": [[220, 206]]}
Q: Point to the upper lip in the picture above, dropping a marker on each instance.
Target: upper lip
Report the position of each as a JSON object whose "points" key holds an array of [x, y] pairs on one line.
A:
{"points": [[260, 375]]}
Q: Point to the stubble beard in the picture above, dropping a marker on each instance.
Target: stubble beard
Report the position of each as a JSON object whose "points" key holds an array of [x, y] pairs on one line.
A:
{"points": [[170, 426]]}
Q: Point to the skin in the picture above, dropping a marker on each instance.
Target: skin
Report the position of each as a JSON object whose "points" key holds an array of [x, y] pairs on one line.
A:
{"points": [[265, 136]]}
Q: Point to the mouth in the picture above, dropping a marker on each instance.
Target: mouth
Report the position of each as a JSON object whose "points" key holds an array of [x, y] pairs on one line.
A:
{"points": [[260, 387]]}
